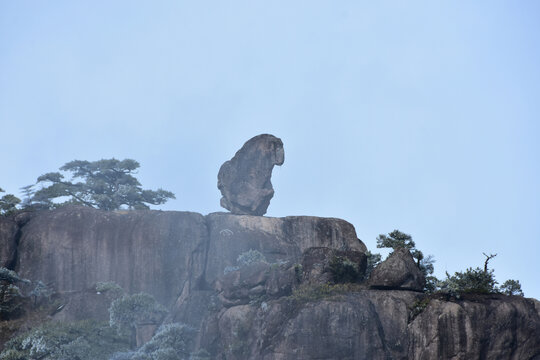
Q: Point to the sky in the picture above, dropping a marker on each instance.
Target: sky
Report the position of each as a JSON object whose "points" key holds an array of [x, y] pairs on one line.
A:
{"points": [[420, 116]]}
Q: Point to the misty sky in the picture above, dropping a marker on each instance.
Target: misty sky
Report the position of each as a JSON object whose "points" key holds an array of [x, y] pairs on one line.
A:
{"points": [[418, 116]]}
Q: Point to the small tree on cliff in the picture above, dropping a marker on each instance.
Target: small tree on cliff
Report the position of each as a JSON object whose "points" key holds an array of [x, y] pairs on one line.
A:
{"points": [[10, 294], [511, 287], [132, 310], [106, 184], [8, 203], [478, 281]]}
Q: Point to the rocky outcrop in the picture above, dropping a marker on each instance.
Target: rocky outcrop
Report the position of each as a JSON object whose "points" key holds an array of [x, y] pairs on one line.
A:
{"points": [[280, 240], [398, 271], [73, 248], [166, 254], [244, 181], [264, 288], [477, 327], [377, 324]]}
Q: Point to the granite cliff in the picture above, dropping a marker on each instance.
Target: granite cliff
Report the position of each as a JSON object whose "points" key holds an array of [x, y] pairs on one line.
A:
{"points": [[253, 287], [286, 307]]}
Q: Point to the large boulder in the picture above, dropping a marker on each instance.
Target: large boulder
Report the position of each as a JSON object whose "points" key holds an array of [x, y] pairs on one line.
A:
{"points": [[398, 271], [8, 241], [244, 181]]}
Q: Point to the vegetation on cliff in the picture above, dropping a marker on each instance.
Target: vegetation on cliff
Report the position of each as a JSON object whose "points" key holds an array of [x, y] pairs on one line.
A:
{"points": [[8, 203], [477, 280], [107, 184]]}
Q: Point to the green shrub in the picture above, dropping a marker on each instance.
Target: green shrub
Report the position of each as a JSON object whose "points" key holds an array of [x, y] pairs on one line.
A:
{"points": [[174, 336], [8, 204], [83, 340], [373, 259], [171, 342], [418, 307], [298, 272], [476, 281], [111, 289], [511, 287], [11, 276], [308, 293], [344, 270], [11, 297], [201, 354], [130, 310], [41, 292], [229, 269], [250, 257], [11, 354], [395, 240]]}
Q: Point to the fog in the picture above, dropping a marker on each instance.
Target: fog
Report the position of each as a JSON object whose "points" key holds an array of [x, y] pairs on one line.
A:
{"points": [[417, 117]]}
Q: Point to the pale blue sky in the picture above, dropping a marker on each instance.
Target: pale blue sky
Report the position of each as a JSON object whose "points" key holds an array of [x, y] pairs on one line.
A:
{"points": [[421, 116]]}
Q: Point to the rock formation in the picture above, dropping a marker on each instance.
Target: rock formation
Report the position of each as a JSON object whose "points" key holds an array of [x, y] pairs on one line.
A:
{"points": [[244, 181], [398, 271], [160, 252], [282, 303], [74, 247]]}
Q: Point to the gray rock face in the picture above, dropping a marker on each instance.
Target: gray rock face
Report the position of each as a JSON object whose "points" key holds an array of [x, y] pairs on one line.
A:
{"points": [[8, 241], [255, 282], [244, 181], [352, 327], [253, 311], [278, 239], [151, 251], [377, 324], [480, 327], [398, 271], [166, 254]]}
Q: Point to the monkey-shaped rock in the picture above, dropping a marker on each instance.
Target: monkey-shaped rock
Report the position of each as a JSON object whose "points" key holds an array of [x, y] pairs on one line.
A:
{"points": [[244, 181]]}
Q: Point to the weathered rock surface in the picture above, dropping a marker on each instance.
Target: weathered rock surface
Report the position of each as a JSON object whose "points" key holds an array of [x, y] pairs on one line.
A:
{"points": [[8, 241], [398, 271], [151, 251], [355, 326], [278, 239], [252, 311], [244, 181], [82, 304], [480, 327], [255, 282], [377, 324], [166, 254]]}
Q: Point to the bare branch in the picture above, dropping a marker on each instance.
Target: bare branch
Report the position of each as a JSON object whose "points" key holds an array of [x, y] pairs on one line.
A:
{"points": [[488, 257]]}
